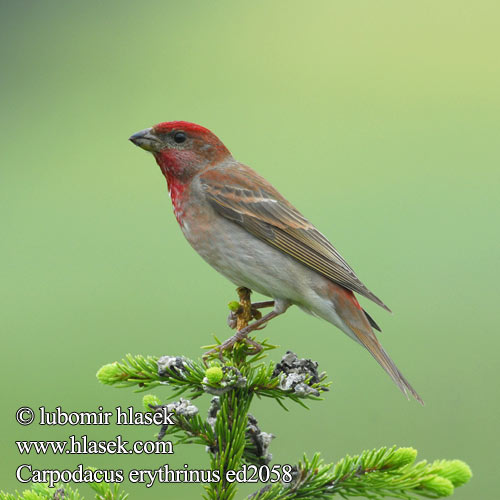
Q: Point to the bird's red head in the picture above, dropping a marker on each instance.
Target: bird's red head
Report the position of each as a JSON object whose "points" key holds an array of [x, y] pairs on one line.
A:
{"points": [[181, 148]]}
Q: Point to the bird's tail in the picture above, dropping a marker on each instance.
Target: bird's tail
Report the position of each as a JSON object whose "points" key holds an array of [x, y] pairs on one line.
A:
{"points": [[378, 352], [356, 323]]}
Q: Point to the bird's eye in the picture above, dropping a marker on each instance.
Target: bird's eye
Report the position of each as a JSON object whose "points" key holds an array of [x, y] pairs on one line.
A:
{"points": [[179, 137]]}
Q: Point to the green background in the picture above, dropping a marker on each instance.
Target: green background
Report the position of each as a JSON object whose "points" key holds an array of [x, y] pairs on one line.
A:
{"points": [[378, 120]]}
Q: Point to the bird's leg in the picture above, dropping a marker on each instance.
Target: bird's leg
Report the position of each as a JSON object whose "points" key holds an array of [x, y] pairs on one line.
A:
{"points": [[256, 314], [244, 328], [257, 324], [242, 334], [261, 305]]}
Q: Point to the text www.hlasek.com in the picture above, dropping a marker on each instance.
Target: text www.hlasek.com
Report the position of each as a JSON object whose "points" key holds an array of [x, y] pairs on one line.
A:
{"points": [[85, 446]]}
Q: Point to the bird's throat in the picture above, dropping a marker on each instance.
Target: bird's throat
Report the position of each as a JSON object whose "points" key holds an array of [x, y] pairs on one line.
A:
{"points": [[176, 187]]}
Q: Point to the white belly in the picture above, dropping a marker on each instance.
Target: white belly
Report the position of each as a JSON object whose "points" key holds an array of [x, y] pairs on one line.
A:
{"points": [[248, 261]]}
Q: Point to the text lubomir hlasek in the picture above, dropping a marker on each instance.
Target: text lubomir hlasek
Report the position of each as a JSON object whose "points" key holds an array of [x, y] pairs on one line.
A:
{"points": [[123, 417]]}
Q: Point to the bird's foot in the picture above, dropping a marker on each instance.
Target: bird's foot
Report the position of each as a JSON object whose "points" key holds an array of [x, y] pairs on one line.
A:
{"points": [[242, 335], [227, 345], [232, 319]]}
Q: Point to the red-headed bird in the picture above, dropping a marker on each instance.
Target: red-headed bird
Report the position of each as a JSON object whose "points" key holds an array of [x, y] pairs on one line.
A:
{"points": [[251, 234]]}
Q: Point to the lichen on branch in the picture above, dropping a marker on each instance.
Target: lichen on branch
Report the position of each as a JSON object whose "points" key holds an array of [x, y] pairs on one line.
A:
{"points": [[230, 434]]}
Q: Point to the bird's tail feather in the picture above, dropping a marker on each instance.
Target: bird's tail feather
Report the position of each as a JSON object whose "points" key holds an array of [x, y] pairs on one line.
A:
{"points": [[371, 343], [350, 317]]}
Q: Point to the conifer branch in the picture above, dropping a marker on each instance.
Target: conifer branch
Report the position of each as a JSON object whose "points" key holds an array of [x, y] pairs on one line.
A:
{"points": [[233, 439], [103, 491], [375, 474]]}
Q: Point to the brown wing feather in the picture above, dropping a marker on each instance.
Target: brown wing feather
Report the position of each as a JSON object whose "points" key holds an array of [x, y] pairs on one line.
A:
{"points": [[260, 209]]}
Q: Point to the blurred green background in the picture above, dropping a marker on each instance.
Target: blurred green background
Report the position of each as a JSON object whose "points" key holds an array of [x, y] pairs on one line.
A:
{"points": [[378, 120]]}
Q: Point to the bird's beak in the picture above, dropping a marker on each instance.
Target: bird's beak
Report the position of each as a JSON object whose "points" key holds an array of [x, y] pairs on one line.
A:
{"points": [[146, 139]]}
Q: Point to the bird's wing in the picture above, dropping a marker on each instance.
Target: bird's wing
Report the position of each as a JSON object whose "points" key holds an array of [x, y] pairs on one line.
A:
{"points": [[242, 196]]}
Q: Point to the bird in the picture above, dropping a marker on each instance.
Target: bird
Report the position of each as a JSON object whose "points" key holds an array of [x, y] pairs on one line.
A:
{"points": [[245, 229]]}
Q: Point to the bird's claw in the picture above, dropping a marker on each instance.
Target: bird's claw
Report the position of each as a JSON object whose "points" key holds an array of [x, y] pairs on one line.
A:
{"points": [[239, 336], [232, 320], [261, 327], [237, 311]]}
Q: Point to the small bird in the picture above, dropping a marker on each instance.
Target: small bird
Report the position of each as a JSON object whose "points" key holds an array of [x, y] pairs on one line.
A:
{"points": [[244, 228]]}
